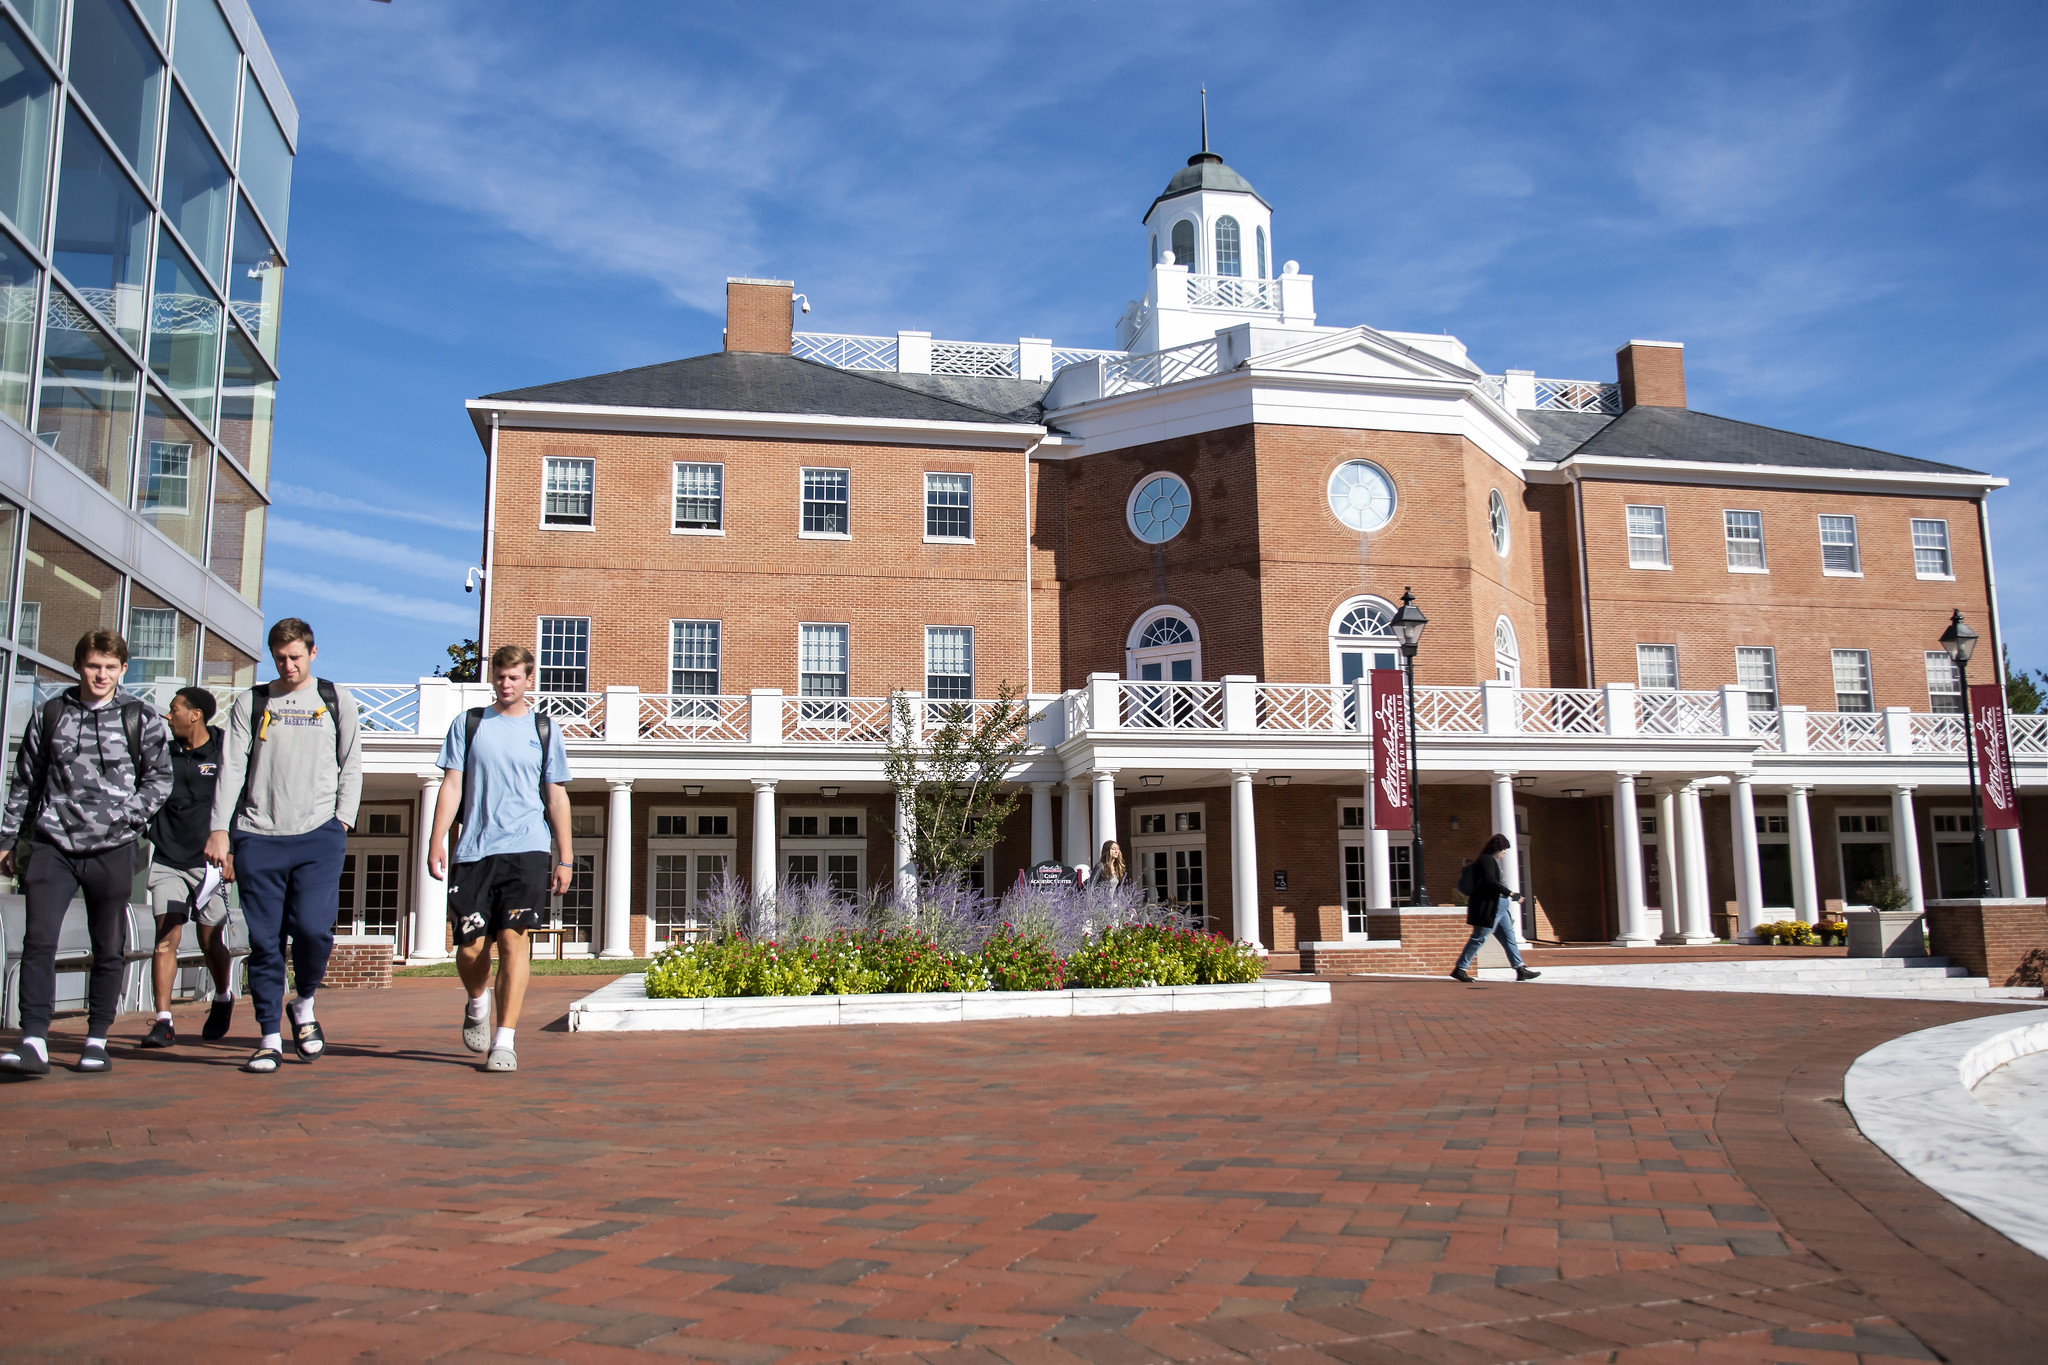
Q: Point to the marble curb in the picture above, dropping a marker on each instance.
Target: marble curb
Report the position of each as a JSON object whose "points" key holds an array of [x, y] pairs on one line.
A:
{"points": [[623, 1006], [1912, 1098]]}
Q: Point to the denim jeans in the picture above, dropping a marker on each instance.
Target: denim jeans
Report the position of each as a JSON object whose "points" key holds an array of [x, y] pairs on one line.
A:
{"points": [[1504, 927]]}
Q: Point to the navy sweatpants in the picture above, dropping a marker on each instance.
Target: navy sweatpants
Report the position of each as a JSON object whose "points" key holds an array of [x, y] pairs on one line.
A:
{"points": [[291, 888]]}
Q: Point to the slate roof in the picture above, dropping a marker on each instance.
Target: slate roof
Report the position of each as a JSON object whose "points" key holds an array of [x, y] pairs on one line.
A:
{"points": [[752, 381], [1648, 433]]}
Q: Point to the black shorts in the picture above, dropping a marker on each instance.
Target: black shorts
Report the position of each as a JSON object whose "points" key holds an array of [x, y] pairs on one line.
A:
{"points": [[499, 892]]}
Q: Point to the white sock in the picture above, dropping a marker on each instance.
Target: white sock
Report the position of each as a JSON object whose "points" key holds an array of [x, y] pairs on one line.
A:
{"points": [[273, 1041], [99, 1043], [302, 1010], [37, 1046], [480, 1006], [163, 1016], [226, 992], [501, 1039]]}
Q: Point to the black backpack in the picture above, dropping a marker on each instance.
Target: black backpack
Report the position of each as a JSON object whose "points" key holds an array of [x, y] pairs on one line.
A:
{"points": [[543, 726], [1465, 880], [259, 702]]}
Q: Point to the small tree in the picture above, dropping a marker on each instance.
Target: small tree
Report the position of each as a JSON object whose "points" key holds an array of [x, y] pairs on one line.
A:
{"points": [[2024, 692], [465, 663], [954, 773]]}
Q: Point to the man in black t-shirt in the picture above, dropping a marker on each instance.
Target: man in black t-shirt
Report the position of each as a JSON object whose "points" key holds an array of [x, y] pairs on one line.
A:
{"points": [[177, 870]]}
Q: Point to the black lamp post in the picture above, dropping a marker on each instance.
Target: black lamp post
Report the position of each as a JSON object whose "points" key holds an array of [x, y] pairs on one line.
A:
{"points": [[1407, 626], [1961, 642]]}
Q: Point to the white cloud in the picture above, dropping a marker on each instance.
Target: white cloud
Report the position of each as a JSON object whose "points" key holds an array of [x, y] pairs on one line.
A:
{"points": [[298, 495], [303, 541], [366, 598]]}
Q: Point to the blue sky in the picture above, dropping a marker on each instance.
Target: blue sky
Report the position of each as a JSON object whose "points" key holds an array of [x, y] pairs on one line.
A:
{"points": [[1838, 208]]}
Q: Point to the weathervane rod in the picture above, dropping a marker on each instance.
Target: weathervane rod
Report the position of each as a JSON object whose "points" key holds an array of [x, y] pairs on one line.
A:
{"points": [[1205, 118]]}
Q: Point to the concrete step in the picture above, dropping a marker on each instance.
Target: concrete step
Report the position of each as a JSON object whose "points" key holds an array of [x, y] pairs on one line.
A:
{"points": [[1912, 978]]}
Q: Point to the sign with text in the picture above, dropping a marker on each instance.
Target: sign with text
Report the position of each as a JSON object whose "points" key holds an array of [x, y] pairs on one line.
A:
{"points": [[1391, 804], [1994, 760], [1050, 874]]}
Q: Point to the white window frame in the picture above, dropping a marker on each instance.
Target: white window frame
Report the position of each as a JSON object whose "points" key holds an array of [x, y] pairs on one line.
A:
{"points": [[823, 713], [1763, 558], [539, 641], [1770, 661], [688, 847], [1373, 648], [823, 845], [591, 523], [1937, 659], [362, 846], [1663, 533], [929, 674], [674, 639], [1890, 839], [1497, 523], [588, 844], [1855, 545], [1961, 834], [1165, 655], [1173, 840], [1507, 653], [931, 539], [1947, 573], [1646, 687], [1869, 692], [675, 495], [802, 491]]}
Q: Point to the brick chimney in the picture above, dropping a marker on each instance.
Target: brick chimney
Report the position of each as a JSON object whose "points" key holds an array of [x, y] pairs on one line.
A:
{"points": [[757, 315], [1652, 374]]}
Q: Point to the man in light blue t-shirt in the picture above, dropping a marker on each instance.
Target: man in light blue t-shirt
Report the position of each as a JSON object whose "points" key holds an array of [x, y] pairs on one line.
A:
{"points": [[506, 775]]}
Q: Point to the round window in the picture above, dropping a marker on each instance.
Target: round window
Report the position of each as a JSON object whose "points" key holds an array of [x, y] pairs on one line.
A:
{"points": [[1497, 522], [1158, 508], [1362, 495]]}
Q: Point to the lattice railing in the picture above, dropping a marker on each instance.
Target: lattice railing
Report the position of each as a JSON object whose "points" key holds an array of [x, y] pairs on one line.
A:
{"points": [[1196, 360], [2029, 734], [1137, 317], [1495, 386], [579, 715], [1077, 710], [1306, 708], [844, 351], [935, 714], [385, 709], [694, 719], [1845, 732], [1449, 711], [835, 720], [1768, 729], [1578, 395], [1063, 356], [985, 358], [1659, 712], [1937, 734], [1171, 705], [1559, 711], [1233, 291]]}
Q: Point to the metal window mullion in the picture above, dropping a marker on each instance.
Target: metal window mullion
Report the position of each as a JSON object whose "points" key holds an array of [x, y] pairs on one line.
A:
{"points": [[35, 42]]}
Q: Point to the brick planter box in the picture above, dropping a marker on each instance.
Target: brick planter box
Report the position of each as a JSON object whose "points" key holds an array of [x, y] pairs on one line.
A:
{"points": [[359, 967], [1423, 942], [2004, 940]]}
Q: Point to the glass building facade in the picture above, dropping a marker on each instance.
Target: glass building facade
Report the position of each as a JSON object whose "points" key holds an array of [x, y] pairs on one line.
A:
{"points": [[145, 183]]}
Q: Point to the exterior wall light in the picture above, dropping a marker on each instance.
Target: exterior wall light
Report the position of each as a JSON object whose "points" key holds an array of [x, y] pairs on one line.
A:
{"points": [[1151, 779]]}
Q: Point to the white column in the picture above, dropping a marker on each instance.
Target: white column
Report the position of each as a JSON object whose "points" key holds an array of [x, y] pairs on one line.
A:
{"points": [[1105, 811], [430, 901], [1805, 880], [1906, 842], [1041, 822], [618, 870], [2013, 873], [1749, 876], [1628, 866], [906, 870], [1077, 823], [1504, 824], [1697, 910], [1244, 859], [765, 875], [1379, 870], [1670, 889]]}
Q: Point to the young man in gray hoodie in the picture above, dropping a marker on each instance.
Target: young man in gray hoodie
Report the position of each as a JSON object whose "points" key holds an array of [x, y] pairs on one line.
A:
{"points": [[291, 774], [93, 768]]}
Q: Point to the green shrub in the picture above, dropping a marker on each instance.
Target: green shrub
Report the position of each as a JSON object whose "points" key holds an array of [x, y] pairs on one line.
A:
{"points": [[1016, 961], [1222, 962]]}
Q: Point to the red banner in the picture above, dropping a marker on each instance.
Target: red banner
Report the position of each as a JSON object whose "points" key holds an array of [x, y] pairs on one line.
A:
{"points": [[1994, 761], [1391, 807]]}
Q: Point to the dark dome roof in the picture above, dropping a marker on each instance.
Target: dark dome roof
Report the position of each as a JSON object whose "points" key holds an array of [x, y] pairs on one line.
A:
{"points": [[1205, 171]]}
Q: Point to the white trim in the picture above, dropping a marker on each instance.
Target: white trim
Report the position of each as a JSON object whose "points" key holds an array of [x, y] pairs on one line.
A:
{"points": [[1164, 652], [674, 529], [1145, 481], [711, 421], [1502, 536], [1642, 469], [925, 507], [1363, 644]]}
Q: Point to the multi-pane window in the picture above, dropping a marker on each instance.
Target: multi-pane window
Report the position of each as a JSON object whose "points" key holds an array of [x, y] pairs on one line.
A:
{"points": [[169, 478], [1657, 667], [822, 651], [1745, 532], [1838, 545], [1852, 679], [1756, 672], [565, 653], [700, 497], [566, 487], [1647, 547], [948, 663], [825, 502], [1229, 254], [1930, 549], [949, 506], [1944, 684], [693, 658], [153, 643]]}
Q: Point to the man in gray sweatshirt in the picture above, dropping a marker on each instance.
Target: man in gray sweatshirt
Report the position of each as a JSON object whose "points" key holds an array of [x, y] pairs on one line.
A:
{"points": [[291, 773]]}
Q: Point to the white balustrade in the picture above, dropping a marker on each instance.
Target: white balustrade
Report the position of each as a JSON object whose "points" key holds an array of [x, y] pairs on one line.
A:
{"points": [[1005, 360], [2029, 734], [1306, 707], [1662, 712], [1941, 734], [1153, 369], [845, 352], [1844, 732], [835, 720], [1559, 711], [382, 708], [1768, 729], [984, 358], [1170, 705], [1233, 291], [1578, 395], [1448, 711], [578, 715], [694, 718]]}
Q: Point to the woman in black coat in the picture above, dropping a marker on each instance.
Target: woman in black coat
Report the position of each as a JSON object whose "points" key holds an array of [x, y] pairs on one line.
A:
{"points": [[1488, 911]]}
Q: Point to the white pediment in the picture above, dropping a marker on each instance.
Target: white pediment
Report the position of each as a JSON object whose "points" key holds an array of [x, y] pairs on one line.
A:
{"points": [[1357, 352]]}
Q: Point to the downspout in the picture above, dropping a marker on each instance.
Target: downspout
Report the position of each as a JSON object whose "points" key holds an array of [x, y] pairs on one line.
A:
{"points": [[483, 641], [1585, 588], [1991, 590], [1030, 673]]}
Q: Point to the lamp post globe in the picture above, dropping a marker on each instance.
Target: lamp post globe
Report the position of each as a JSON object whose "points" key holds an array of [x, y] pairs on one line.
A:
{"points": [[1407, 626], [1959, 642]]}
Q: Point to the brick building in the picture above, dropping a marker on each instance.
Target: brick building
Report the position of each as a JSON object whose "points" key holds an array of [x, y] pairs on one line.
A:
{"points": [[1689, 662]]}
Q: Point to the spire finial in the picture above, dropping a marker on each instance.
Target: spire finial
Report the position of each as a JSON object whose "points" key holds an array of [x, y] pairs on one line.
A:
{"points": [[1205, 118]]}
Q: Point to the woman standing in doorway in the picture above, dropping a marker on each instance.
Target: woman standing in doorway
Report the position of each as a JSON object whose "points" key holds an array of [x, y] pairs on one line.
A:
{"points": [[1110, 867], [1490, 910]]}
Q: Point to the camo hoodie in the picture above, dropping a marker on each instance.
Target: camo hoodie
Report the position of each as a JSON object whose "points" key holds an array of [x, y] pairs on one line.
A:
{"points": [[96, 797]]}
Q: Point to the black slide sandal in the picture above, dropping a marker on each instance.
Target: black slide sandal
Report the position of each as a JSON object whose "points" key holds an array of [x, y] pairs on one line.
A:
{"points": [[304, 1036], [264, 1061]]}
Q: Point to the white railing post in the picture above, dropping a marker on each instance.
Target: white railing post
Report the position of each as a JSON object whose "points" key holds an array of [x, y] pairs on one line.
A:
{"points": [[907, 727], [1792, 730], [1105, 709], [1240, 703], [764, 715], [1034, 358], [1619, 698], [1898, 729], [1045, 725], [1520, 389], [913, 353], [437, 706], [1297, 296], [1497, 708], [621, 715], [1361, 706], [1734, 711]]}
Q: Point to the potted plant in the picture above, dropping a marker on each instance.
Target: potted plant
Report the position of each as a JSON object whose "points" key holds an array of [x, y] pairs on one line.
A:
{"points": [[1832, 932]]}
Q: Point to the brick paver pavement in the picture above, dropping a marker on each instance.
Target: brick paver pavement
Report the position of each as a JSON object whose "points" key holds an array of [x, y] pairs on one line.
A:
{"points": [[1416, 1172]]}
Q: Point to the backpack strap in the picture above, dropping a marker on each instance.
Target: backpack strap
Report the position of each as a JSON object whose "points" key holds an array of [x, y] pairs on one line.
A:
{"points": [[46, 731], [331, 699], [259, 702], [131, 726], [544, 726]]}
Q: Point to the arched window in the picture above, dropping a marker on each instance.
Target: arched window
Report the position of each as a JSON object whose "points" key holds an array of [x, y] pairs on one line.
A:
{"points": [[1497, 522], [1163, 647], [1362, 638], [1507, 658], [1229, 261], [1184, 242], [1260, 233]]}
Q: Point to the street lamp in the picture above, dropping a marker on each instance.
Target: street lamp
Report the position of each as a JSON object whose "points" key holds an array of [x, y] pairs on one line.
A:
{"points": [[1407, 627], [1960, 642]]}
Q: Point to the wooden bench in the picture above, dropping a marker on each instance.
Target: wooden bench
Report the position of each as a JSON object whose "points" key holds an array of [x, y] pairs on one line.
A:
{"points": [[534, 936]]}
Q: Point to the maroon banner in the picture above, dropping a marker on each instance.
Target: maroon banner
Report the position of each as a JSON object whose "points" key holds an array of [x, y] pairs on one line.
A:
{"points": [[1391, 807], [1994, 761]]}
